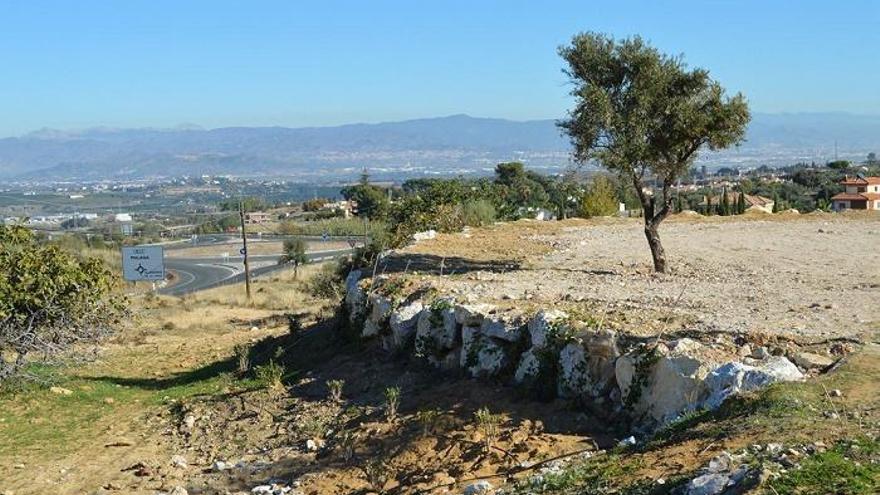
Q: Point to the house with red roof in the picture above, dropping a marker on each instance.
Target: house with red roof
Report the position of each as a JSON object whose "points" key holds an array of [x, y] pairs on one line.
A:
{"points": [[861, 193]]}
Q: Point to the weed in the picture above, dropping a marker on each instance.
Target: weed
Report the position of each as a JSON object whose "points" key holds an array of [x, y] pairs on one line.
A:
{"points": [[850, 468], [347, 442], [242, 355], [377, 473], [429, 419], [270, 376], [488, 425], [392, 402], [335, 387]]}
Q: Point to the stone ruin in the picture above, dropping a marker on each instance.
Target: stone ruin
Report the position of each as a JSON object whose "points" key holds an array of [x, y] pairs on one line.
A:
{"points": [[552, 352]]}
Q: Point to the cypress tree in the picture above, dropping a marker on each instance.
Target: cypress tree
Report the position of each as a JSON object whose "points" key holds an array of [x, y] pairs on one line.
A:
{"points": [[725, 203], [741, 204], [708, 204]]}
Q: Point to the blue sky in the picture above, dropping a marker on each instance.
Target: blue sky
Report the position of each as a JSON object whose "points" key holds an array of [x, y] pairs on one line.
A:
{"points": [[134, 63]]}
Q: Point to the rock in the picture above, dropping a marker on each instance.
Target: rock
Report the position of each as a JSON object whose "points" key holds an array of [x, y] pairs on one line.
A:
{"points": [[355, 297], [255, 329], [707, 484], [471, 314], [371, 329], [720, 463], [810, 361], [835, 393], [403, 322], [602, 352], [627, 442], [220, 466], [744, 350], [424, 236], [760, 353], [189, 421], [542, 323], [109, 400], [734, 377], [60, 391], [481, 355], [435, 330], [481, 487], [528, 368], [179, 461], [574, 377], [673, 383], [178, 490], [502, 327], [262, 489], [311, 445], [380, 308]]}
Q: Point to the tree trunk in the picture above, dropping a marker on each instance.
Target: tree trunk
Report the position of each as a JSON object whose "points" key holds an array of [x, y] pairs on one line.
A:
{"points": [[656, 246]]}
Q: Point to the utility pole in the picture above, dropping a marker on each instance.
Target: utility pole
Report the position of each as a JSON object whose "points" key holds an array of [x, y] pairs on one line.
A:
{"points": [[244, 252]]}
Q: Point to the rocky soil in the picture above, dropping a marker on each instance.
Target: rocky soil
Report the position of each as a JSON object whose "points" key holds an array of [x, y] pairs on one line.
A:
{"points": [[809, 277]]}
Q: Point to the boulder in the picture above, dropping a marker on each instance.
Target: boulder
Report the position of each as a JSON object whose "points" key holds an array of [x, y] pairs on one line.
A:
{"points": [[471, 314], [371, 329], [811, 361], [481, 487], [542, 323], [672, 381], [708, 484], [504, 327], [355, 297], [602, 353], [436, 331], [480, 354], [574, 375], [380, 308], [402, 322], [528, 368], [732, 378]]}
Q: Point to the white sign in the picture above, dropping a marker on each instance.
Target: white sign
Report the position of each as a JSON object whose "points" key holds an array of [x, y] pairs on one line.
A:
{"points": [[143, 263]]}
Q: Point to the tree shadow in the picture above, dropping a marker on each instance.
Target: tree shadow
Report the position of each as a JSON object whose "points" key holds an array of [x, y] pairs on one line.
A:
{"points": [[442, 265]]}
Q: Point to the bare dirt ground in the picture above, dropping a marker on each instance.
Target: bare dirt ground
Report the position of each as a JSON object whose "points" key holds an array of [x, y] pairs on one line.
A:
{"points": [[804, 276]]}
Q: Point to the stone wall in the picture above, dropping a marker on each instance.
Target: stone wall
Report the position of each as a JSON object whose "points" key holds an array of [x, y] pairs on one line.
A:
{"points": [[554, 354]]}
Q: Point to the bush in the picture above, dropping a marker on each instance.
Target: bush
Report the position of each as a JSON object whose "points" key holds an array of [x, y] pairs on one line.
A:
{"points": [[600, 199], [50, 299], [270, 376], [478, 212], [327, 283]]}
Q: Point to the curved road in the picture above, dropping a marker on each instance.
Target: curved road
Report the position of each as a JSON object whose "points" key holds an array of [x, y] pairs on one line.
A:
{"points": [[197, 274]]}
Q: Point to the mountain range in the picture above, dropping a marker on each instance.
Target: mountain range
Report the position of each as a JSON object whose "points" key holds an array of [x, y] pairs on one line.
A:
{"points": [[454, 144]]}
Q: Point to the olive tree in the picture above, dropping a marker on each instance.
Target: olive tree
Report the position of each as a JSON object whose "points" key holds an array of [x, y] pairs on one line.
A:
{"points": [[294, 253], [645, 116], [50, 299]]}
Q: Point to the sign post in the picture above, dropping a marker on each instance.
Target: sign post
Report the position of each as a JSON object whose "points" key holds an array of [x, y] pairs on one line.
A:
{"points": [[143, 263]]}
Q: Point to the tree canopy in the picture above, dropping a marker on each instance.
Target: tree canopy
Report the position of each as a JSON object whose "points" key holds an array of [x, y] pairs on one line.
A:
{"points": [[645, 115]]}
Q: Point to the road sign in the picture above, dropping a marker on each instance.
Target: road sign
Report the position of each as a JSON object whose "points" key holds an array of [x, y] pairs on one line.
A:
{"points": [[325, 236], [352, 242], [143, 263], [242, 251]]}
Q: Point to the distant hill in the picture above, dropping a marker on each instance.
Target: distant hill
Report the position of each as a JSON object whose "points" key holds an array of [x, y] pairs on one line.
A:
{"points": [[455, 144]]}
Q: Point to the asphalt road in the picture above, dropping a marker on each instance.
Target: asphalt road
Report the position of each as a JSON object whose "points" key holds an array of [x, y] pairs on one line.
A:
{"points": [[195, 274]]}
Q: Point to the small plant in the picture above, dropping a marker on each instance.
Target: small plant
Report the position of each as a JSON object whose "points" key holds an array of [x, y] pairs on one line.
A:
{"points": [[429, 419], [347, 442], [242, 356], [377, 474], [392, 402], [487, 424], [270, 376], [335, 388]]}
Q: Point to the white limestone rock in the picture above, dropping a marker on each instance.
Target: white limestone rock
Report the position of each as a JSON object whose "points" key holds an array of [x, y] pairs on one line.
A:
{"points": [[471, 314], [528, 368], [481, 355], [402, 322], [732, 378], [574, 375], [436, 330], [355, 297], [504, 327], [380, 308], [673, 384], [602, 352], [542, 323]]}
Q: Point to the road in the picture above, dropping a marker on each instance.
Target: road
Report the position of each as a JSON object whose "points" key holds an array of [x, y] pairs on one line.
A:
{"points": [[195, 274]]}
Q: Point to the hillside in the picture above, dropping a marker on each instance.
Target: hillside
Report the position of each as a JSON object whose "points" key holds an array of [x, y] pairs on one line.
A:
{"points": [[450, 145]]}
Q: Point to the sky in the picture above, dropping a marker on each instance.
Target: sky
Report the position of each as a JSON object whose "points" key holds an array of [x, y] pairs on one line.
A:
{"points": [[134, 63]]}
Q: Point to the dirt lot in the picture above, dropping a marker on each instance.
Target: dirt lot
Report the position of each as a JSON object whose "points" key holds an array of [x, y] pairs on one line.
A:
{"points": [[804, 276]]}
